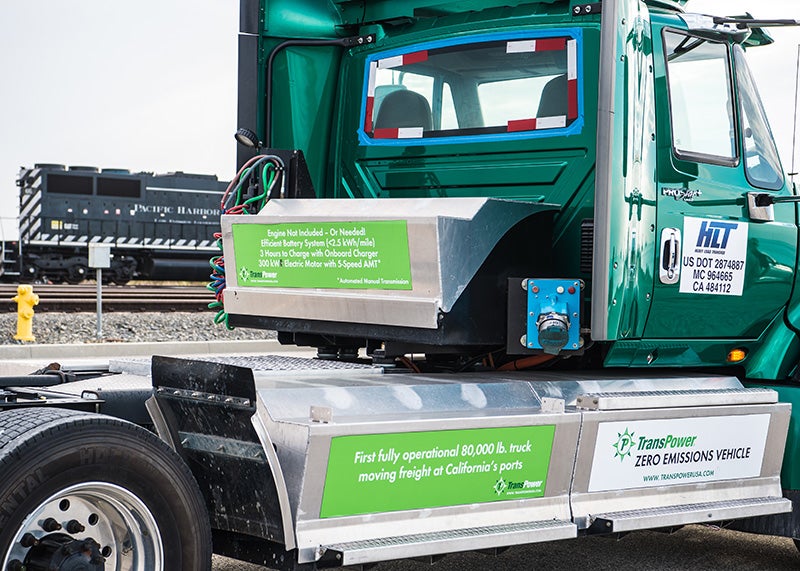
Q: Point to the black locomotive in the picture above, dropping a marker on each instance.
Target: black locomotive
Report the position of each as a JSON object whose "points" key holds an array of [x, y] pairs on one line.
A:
{"points": [[159, 227]]}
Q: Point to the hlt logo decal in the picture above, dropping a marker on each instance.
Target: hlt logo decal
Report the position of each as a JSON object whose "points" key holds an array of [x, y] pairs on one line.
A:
{"points": [[714, 256], [715, 234]]}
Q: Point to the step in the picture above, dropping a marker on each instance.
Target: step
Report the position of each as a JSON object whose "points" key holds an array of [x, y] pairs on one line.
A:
{"points": [[422, 544], [671, 399], [670, 516]]}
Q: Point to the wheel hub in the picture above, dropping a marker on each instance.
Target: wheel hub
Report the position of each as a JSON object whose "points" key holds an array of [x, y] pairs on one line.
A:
{"points": [[93, 526], [60, 552]]}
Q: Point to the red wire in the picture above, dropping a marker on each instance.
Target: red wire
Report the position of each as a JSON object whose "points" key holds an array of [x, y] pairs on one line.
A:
{"points": [[238, 209], [235, 180]]}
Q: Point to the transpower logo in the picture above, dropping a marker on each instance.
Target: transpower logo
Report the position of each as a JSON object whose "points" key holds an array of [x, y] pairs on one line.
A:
{"points": [[522, 487], [627, 442], [624, 444], [248, 275]]}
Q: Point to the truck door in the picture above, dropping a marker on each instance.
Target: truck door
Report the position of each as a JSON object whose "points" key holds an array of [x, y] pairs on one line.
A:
{"points": [[721, 273]]}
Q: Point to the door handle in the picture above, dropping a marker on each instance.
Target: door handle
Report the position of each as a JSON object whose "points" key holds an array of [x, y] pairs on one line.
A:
{"points": [[669, 268]]}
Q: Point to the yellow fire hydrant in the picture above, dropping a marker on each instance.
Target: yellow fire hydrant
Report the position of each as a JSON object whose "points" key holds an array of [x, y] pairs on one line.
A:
{"points": [[25, 300]]}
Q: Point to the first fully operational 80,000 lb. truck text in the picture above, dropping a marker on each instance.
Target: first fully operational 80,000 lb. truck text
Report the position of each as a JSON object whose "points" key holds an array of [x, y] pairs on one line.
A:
{"points": [[560, 234]]}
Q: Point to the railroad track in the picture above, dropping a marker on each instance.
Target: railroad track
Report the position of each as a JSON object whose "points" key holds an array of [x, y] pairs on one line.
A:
{"points": [[83, 297]]}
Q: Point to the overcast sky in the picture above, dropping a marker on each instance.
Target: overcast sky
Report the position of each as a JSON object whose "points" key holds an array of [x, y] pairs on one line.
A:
{"points": [[151, 84], [148, 85]]}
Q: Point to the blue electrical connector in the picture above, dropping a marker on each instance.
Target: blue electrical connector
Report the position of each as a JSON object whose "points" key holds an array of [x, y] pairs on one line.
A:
{"points": [[553, 315]]}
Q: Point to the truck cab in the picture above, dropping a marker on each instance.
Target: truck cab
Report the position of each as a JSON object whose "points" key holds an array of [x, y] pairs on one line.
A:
{"points": [[522, 143]]}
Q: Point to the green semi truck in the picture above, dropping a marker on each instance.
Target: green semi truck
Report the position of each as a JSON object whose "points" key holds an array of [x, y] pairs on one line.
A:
{"points": [[546, 254]]}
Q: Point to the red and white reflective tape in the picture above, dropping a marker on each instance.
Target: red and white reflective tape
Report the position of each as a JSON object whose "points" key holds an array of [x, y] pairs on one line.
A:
{"points": [[572, 59], [405, 59], [521, 125], [572, 79], [537, 123], [543, 45], [572, 98], [398, 133], [390, 62], [520, 46], [370, 110], [373, 68], [517, 46], [557, 122], [415, 57]]}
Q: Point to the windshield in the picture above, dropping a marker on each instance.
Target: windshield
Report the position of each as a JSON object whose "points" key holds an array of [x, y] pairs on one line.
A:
{"points": [[499, 86]]}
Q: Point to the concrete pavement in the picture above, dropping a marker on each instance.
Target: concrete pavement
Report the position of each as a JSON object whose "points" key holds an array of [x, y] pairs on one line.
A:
{"points": [[23, 359]]}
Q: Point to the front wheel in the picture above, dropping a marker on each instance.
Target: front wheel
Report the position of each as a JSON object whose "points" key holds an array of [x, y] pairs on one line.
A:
{"points": [[85, 491]]}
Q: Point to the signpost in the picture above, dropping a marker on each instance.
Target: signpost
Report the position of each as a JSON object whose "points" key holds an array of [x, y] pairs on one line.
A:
{"points": [[99, 258]]}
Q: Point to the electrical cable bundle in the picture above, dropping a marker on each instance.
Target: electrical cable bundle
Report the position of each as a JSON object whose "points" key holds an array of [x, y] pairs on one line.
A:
{"points": [[247, 193]]}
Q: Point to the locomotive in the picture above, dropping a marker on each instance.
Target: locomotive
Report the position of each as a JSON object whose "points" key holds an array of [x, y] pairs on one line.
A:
{"points": [[159, 226]]}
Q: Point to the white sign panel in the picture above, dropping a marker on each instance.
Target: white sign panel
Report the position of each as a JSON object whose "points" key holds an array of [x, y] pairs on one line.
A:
{"points": [[714, 256], [649, 453]]}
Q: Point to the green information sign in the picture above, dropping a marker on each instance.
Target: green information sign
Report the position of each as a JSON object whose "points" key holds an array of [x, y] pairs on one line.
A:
{"points": [[413, 470], [356, 255]]}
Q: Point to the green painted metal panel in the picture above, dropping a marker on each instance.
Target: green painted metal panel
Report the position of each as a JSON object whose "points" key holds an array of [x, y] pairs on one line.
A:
{"points": [[556, 170], [300, 19], [317, 98], [304, 89], [774, 355], [481, 173], [355, 11]]}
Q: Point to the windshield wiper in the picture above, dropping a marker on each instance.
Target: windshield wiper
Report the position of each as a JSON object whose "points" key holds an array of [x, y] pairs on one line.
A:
{"points": [[744, 23]]}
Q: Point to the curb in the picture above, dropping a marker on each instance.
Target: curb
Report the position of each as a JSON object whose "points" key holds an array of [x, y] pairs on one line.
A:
{"points": [[90, 350]]}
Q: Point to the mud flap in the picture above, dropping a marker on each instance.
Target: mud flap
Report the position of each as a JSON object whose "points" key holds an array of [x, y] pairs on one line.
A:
{"points": [[204, 410]]}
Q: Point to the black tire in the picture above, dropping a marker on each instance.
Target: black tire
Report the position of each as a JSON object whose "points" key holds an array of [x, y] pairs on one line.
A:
{"points": [[51, 456]]}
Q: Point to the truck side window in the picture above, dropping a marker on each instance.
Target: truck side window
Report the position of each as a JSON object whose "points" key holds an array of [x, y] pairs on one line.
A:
{"points": [[761, 163], [701, 99], [507, 87]]}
